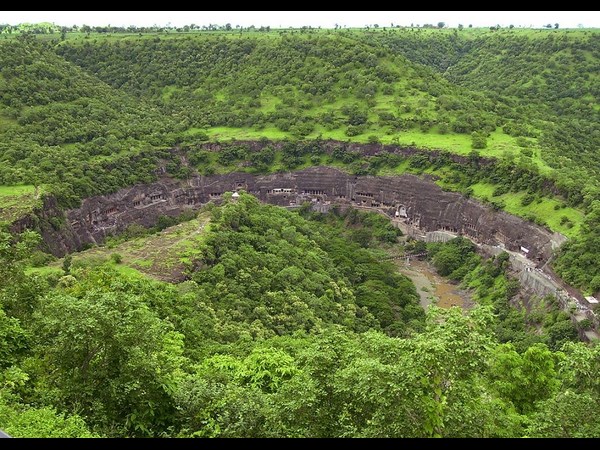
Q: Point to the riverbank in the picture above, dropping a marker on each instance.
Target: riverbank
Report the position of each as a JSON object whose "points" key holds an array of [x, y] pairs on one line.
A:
{"points": [[432, 288]]}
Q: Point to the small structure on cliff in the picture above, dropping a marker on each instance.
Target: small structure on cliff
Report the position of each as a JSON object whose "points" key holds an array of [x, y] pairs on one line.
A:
{"points": [[591, 300]]}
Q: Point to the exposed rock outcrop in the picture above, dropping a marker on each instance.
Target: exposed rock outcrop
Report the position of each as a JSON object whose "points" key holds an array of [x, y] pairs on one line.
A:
{"points": [[418, 201], [416, 205]]}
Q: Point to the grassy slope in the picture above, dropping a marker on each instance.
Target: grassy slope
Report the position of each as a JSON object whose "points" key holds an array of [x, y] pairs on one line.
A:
{"points": [[498, 143], [163, 256], [544, 208], [16, 201]]}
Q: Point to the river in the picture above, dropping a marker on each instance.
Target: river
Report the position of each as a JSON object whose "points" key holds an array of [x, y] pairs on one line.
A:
{"points": [[432, 288]]}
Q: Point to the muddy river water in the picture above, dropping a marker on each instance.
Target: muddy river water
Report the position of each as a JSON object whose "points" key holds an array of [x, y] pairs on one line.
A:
{"points": [[432, 288]]}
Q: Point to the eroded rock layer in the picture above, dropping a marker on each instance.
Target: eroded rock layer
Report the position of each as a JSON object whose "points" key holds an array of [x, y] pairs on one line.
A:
{"points": [[416, 201]]}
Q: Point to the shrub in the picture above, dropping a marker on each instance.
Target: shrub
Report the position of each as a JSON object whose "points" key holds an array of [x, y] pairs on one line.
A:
{"points": [[66, 265], [527, 199], [478, 140]]}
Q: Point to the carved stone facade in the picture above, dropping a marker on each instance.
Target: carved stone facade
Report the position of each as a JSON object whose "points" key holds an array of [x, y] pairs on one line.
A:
{"points": [[407, 198]]}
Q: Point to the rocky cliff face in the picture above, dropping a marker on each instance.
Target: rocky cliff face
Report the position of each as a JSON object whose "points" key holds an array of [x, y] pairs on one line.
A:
{"points": [[418, 202], [364, 149], [49, 220]]}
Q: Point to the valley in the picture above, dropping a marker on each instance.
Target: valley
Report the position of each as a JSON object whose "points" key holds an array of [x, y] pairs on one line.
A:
{"points": [[258, 232]]}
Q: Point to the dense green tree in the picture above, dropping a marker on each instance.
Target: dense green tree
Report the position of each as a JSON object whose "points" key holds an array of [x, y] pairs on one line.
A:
{"points": [[22, 421], [478, 140], [524, 378], [113, 359], [567, 415]]}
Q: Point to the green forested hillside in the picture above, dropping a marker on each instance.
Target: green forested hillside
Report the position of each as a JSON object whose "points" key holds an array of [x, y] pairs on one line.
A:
{"points": [[547, 83], [549, 78], [505, 93], [69, 130], [353, 83], [89, 114], [383, 86], [295, 83], [292, 332]]}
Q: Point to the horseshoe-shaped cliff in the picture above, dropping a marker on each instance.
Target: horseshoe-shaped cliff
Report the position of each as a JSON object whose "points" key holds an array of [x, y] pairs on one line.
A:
{"points": [[414, 201]]}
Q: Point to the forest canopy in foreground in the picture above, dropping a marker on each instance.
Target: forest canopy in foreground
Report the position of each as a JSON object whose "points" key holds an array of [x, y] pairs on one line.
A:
{"points": [[295, 331]]}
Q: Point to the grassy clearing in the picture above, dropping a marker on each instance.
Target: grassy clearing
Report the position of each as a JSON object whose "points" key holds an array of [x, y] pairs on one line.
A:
{"points": [[230, 133], [15, 191], [163, 256], [16, 201], [498, 143], [549, 210], [168, 91]]}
